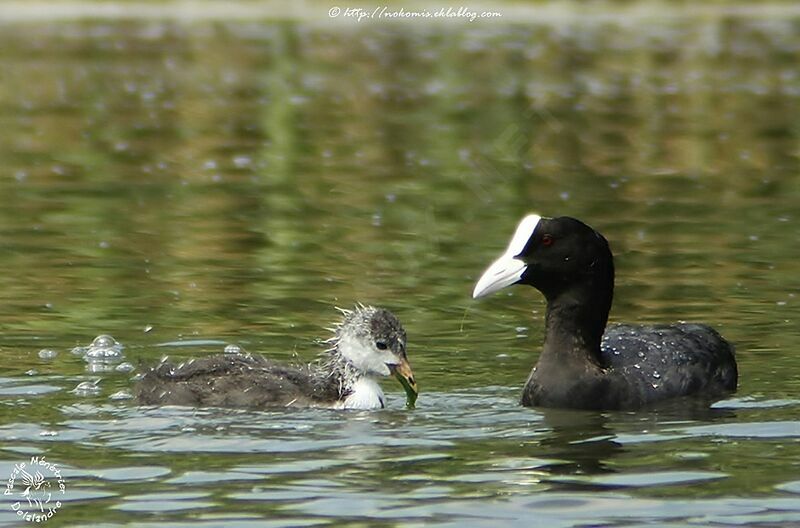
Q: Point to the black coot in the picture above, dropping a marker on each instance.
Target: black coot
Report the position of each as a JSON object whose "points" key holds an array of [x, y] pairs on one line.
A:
{"points": [[583, 364]]}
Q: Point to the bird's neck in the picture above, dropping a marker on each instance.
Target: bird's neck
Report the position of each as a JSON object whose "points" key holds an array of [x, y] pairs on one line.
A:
{"points": [[574, 324], [570, 364]]}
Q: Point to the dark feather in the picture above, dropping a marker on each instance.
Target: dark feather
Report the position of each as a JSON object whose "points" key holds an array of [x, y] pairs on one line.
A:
{"points": [[230, 380]]}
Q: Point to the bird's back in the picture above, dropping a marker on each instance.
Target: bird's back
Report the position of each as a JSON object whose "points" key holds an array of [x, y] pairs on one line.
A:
{"points": [[235, 381], [667, 361]]}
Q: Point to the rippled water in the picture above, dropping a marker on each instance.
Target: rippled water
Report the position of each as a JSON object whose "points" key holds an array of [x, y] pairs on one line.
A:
{"points": [[187, 186]]}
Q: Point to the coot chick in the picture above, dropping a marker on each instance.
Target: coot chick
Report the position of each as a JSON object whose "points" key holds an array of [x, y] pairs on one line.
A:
{"points": [[368, 343], [629, 366]]}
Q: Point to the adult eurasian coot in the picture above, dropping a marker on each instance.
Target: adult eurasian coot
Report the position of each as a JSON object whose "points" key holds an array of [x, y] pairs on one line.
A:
{"points": [[583, 364]]}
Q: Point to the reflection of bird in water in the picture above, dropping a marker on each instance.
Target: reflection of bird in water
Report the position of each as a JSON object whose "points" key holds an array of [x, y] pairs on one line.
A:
{"points": [[581, 443], [38, 483], [585, 444], [583, 364], [368, 343]]}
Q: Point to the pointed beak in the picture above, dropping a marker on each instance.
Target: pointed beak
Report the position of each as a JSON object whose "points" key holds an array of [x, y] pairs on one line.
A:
{"points": [[503, 272], [402, 371], [508, 269]]}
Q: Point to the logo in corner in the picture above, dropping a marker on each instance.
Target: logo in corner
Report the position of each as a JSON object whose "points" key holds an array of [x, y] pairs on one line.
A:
{"points": [[36, 488]]}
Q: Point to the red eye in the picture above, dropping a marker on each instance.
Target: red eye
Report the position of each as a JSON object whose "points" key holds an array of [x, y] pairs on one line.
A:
{"points": [[547, 240]]}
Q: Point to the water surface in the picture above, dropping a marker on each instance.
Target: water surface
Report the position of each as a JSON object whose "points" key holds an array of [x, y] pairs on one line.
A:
{"points": [[183, 186]]}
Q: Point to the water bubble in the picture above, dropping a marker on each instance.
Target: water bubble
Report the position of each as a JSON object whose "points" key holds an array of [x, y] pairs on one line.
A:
{"points": [[47, 353], [656, 375], [640, 354], [87, 388], [94, 366], [125, 367], [121, 395], [103, 346], [233, 349], [104, 340]]}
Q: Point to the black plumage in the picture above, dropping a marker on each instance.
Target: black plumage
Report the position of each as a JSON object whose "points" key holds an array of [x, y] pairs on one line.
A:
{"points": [[583, 364]]}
